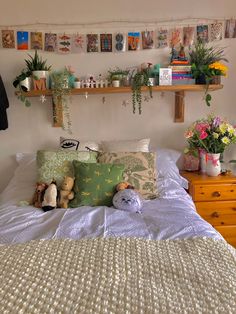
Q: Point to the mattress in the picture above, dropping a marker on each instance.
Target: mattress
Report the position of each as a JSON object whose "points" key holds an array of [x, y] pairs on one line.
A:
{"points": [[171, 216]]}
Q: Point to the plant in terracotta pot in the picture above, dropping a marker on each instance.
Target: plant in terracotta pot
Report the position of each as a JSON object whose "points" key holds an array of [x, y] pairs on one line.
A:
{"points": [[140, 78], [206, 65], [39, 69], [23, 83]]}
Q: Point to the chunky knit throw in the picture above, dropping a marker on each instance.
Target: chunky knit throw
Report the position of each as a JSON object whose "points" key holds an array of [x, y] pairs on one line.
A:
{"points": [[118, 275]]}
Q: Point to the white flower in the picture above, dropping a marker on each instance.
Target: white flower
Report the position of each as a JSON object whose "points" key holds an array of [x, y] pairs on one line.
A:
{"points": [[225, 140]]}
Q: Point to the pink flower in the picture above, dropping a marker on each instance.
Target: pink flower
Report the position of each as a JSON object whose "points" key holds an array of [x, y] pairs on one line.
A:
{"points": [[202, 126], [203, 135], [188, 134]]}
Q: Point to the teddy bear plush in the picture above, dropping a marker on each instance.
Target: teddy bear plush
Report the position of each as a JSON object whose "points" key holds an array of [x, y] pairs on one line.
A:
{"points": [[39, 194], [50, 197], [123, 186], [66, 194]]}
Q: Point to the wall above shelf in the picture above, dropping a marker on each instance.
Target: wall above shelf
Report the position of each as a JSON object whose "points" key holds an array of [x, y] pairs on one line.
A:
{"points": [[179, 91]]}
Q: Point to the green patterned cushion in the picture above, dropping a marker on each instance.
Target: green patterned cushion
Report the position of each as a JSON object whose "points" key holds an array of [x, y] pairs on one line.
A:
{"points": [[140, 170], [54, 165], [95, 183]]}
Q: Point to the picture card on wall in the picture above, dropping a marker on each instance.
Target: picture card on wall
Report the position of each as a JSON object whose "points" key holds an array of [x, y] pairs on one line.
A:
{"points": [[64, 43], [175, 36], [8, 39], [50, 42], [78, 43], [147, 39], [133, 41], [202, 33], [162, 38], [119, 42], [92, 42], [106, 42], [230, 28], [216, 31], [36, 40], [188, 36], [22, 40]]}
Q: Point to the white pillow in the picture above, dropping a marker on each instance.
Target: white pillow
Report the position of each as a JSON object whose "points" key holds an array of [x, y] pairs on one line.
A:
{"points": [[76, 144], [141, 145], [167, 168], [22, 185]]}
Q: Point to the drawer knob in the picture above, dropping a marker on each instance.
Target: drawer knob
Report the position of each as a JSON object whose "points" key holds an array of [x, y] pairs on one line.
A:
{"points": [[215, 215], [216, 194]]}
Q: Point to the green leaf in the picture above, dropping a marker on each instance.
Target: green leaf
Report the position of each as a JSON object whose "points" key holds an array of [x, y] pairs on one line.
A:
{"points": [[208, 99]]}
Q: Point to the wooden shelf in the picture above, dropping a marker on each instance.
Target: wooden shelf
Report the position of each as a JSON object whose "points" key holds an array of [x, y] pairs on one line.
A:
{"points": [[179, 91]]}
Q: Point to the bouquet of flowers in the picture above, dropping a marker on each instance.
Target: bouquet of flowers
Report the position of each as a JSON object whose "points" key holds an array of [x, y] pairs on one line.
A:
{"points": [[212, 134]]}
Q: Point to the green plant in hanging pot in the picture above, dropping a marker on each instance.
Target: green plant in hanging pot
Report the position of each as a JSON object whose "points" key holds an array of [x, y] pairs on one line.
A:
{"points": [[61, 93], [117, 76], [140, 78], [23, 83]]}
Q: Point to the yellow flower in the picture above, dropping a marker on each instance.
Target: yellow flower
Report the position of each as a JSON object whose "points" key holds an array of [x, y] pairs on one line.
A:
{"points": [[220, 67], [215, 135], [225, 140], [223, 128], [231, 130]]}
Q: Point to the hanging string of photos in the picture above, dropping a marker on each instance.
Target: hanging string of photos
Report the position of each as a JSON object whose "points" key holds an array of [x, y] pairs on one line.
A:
{"points": [[66, 43]]}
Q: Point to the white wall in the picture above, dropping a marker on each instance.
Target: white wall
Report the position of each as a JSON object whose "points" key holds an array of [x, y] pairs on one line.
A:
{"points": [[30, 128]]}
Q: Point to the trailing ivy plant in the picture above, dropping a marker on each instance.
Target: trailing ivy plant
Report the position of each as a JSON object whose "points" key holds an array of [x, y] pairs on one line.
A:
{"points": [[141, 78], [61, 92]]}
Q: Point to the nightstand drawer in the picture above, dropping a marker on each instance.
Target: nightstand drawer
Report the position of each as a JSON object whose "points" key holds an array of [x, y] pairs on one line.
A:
{"points": [[229, 233], [214, 192], [218, 213]]}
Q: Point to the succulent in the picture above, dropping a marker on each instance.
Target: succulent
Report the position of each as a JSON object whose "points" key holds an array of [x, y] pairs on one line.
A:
{"points": [[35, 63]]}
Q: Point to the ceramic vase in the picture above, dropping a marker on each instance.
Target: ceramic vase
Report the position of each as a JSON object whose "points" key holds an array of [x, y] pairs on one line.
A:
{"points": [[37, 75], [116, 83], [26, 83], [213, 167]]}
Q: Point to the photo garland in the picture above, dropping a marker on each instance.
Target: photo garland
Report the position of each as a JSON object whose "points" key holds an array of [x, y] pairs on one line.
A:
{"points": [[118, 41]]}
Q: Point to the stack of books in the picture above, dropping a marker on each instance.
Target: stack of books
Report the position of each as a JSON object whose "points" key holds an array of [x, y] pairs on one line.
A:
{"points": [[181, 73]]}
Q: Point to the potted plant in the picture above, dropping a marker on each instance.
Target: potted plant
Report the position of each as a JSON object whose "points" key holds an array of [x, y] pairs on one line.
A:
{"points": [[205, 64], [117, 76], [61, 91], [140, 78], [38, 67], [23, 83]]}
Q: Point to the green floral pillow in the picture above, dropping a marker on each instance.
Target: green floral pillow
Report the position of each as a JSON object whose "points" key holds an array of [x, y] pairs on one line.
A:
{"points": [[140, 170], [54, 165], [95, 183]]}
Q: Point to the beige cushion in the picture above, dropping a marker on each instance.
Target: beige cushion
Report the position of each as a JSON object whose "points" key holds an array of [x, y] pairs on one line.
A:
{"points": [[126, 145], [140, 170]]}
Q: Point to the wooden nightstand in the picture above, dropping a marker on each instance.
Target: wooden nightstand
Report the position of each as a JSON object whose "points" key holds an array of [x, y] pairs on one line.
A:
{"points": [[215, 200]]}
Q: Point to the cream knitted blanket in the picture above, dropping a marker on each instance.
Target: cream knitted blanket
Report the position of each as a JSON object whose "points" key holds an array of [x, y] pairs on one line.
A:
{"points": [[118, 275]]}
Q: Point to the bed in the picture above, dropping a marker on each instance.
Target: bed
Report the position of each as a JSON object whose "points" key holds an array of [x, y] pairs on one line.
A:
{"points": [[166, 259]]}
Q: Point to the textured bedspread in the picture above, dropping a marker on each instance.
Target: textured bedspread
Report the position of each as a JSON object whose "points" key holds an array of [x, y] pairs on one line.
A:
{"points": [[118, 275]]}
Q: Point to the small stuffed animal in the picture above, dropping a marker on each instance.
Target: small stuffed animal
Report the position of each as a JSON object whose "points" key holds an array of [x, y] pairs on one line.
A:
{"points": [[50, 197], [128, 200], [66, 193], [123, 185], [38, 194]]}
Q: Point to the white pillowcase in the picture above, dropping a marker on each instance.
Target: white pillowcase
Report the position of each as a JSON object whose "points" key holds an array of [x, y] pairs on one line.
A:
{"points": [[167, 168], [76, 144], [141, 145]]}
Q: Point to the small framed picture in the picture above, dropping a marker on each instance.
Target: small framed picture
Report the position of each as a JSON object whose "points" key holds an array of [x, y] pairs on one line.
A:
{"points": [[165, 76]]}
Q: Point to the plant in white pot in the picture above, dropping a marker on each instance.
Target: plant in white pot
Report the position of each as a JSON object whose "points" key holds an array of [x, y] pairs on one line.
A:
{"points": [[39, 69], [23, 83]]}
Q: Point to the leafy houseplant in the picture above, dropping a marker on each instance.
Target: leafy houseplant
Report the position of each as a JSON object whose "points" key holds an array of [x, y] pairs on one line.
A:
{"points": [[38, 67], [205, 64], [141, 78], [19, 83], [117, 74], [61, 91]]}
